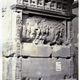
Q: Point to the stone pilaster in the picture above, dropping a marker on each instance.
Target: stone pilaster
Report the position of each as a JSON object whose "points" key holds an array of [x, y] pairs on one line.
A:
{"points": [[16, 38], [16, 32]]}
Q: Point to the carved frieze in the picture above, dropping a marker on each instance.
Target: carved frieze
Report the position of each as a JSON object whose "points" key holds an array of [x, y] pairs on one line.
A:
{"points": [[44, 31]]}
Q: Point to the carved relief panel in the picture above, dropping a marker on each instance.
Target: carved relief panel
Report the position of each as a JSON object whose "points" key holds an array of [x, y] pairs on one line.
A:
{"points": [[46, 31]]}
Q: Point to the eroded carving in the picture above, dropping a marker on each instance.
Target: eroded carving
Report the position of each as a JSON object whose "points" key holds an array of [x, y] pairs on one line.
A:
{"points": [[18, 69], [18, 33], [43, 31]]}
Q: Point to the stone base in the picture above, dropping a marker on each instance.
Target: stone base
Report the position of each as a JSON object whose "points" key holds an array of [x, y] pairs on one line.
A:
{"points": [[47, 67], [37, 68]]}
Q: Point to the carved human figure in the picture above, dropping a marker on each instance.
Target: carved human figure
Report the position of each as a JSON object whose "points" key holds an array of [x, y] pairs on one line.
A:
{"points": [[32, 34], [59, 36], [51, 35], [28, 31], [41, 35], [42, 31], [36, 40]]}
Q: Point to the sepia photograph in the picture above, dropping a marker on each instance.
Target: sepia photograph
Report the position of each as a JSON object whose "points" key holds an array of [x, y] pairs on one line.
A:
{"points": [[40, 39]]}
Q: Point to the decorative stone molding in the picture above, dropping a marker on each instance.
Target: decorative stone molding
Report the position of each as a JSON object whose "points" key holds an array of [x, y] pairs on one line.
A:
{"points": [[18, 71], [16, 36]]}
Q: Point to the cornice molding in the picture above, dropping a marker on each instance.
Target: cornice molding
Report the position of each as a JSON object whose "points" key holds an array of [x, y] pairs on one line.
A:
{"points": [[30, 10]]}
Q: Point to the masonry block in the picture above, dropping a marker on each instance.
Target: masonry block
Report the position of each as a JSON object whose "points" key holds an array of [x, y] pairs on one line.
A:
{"points": [[46, 50], [36, 50], [62, 51], [9, 68], [51, 67], [7, 49]]}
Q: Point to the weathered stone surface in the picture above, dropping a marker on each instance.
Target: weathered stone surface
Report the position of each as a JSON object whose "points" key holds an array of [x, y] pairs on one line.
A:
{"points": [[30, 78], [39, 30], [62, 51], [12, 68], [7, 49], [46, 50], [68, 79], [49, 78], [9, 68], [6, 29], [47, 33], [50, 67], [36, 50], [18, 69], [45, 78], [16, 31]]}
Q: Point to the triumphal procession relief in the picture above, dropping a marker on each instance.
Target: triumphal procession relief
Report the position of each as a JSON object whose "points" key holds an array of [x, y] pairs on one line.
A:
{"points": [[39, 30], [41, 45]]}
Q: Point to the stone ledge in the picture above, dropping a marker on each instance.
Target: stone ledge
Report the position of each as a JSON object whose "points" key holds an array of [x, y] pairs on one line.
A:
{"points": [[32, 10], [46, 50]]}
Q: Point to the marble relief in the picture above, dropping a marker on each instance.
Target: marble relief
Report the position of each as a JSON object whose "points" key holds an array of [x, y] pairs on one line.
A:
{"points": [[43, 31]]}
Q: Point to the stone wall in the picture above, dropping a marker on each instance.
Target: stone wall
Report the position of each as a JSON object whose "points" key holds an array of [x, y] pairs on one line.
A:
{"points": [[37, 48], [6, 30]]}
